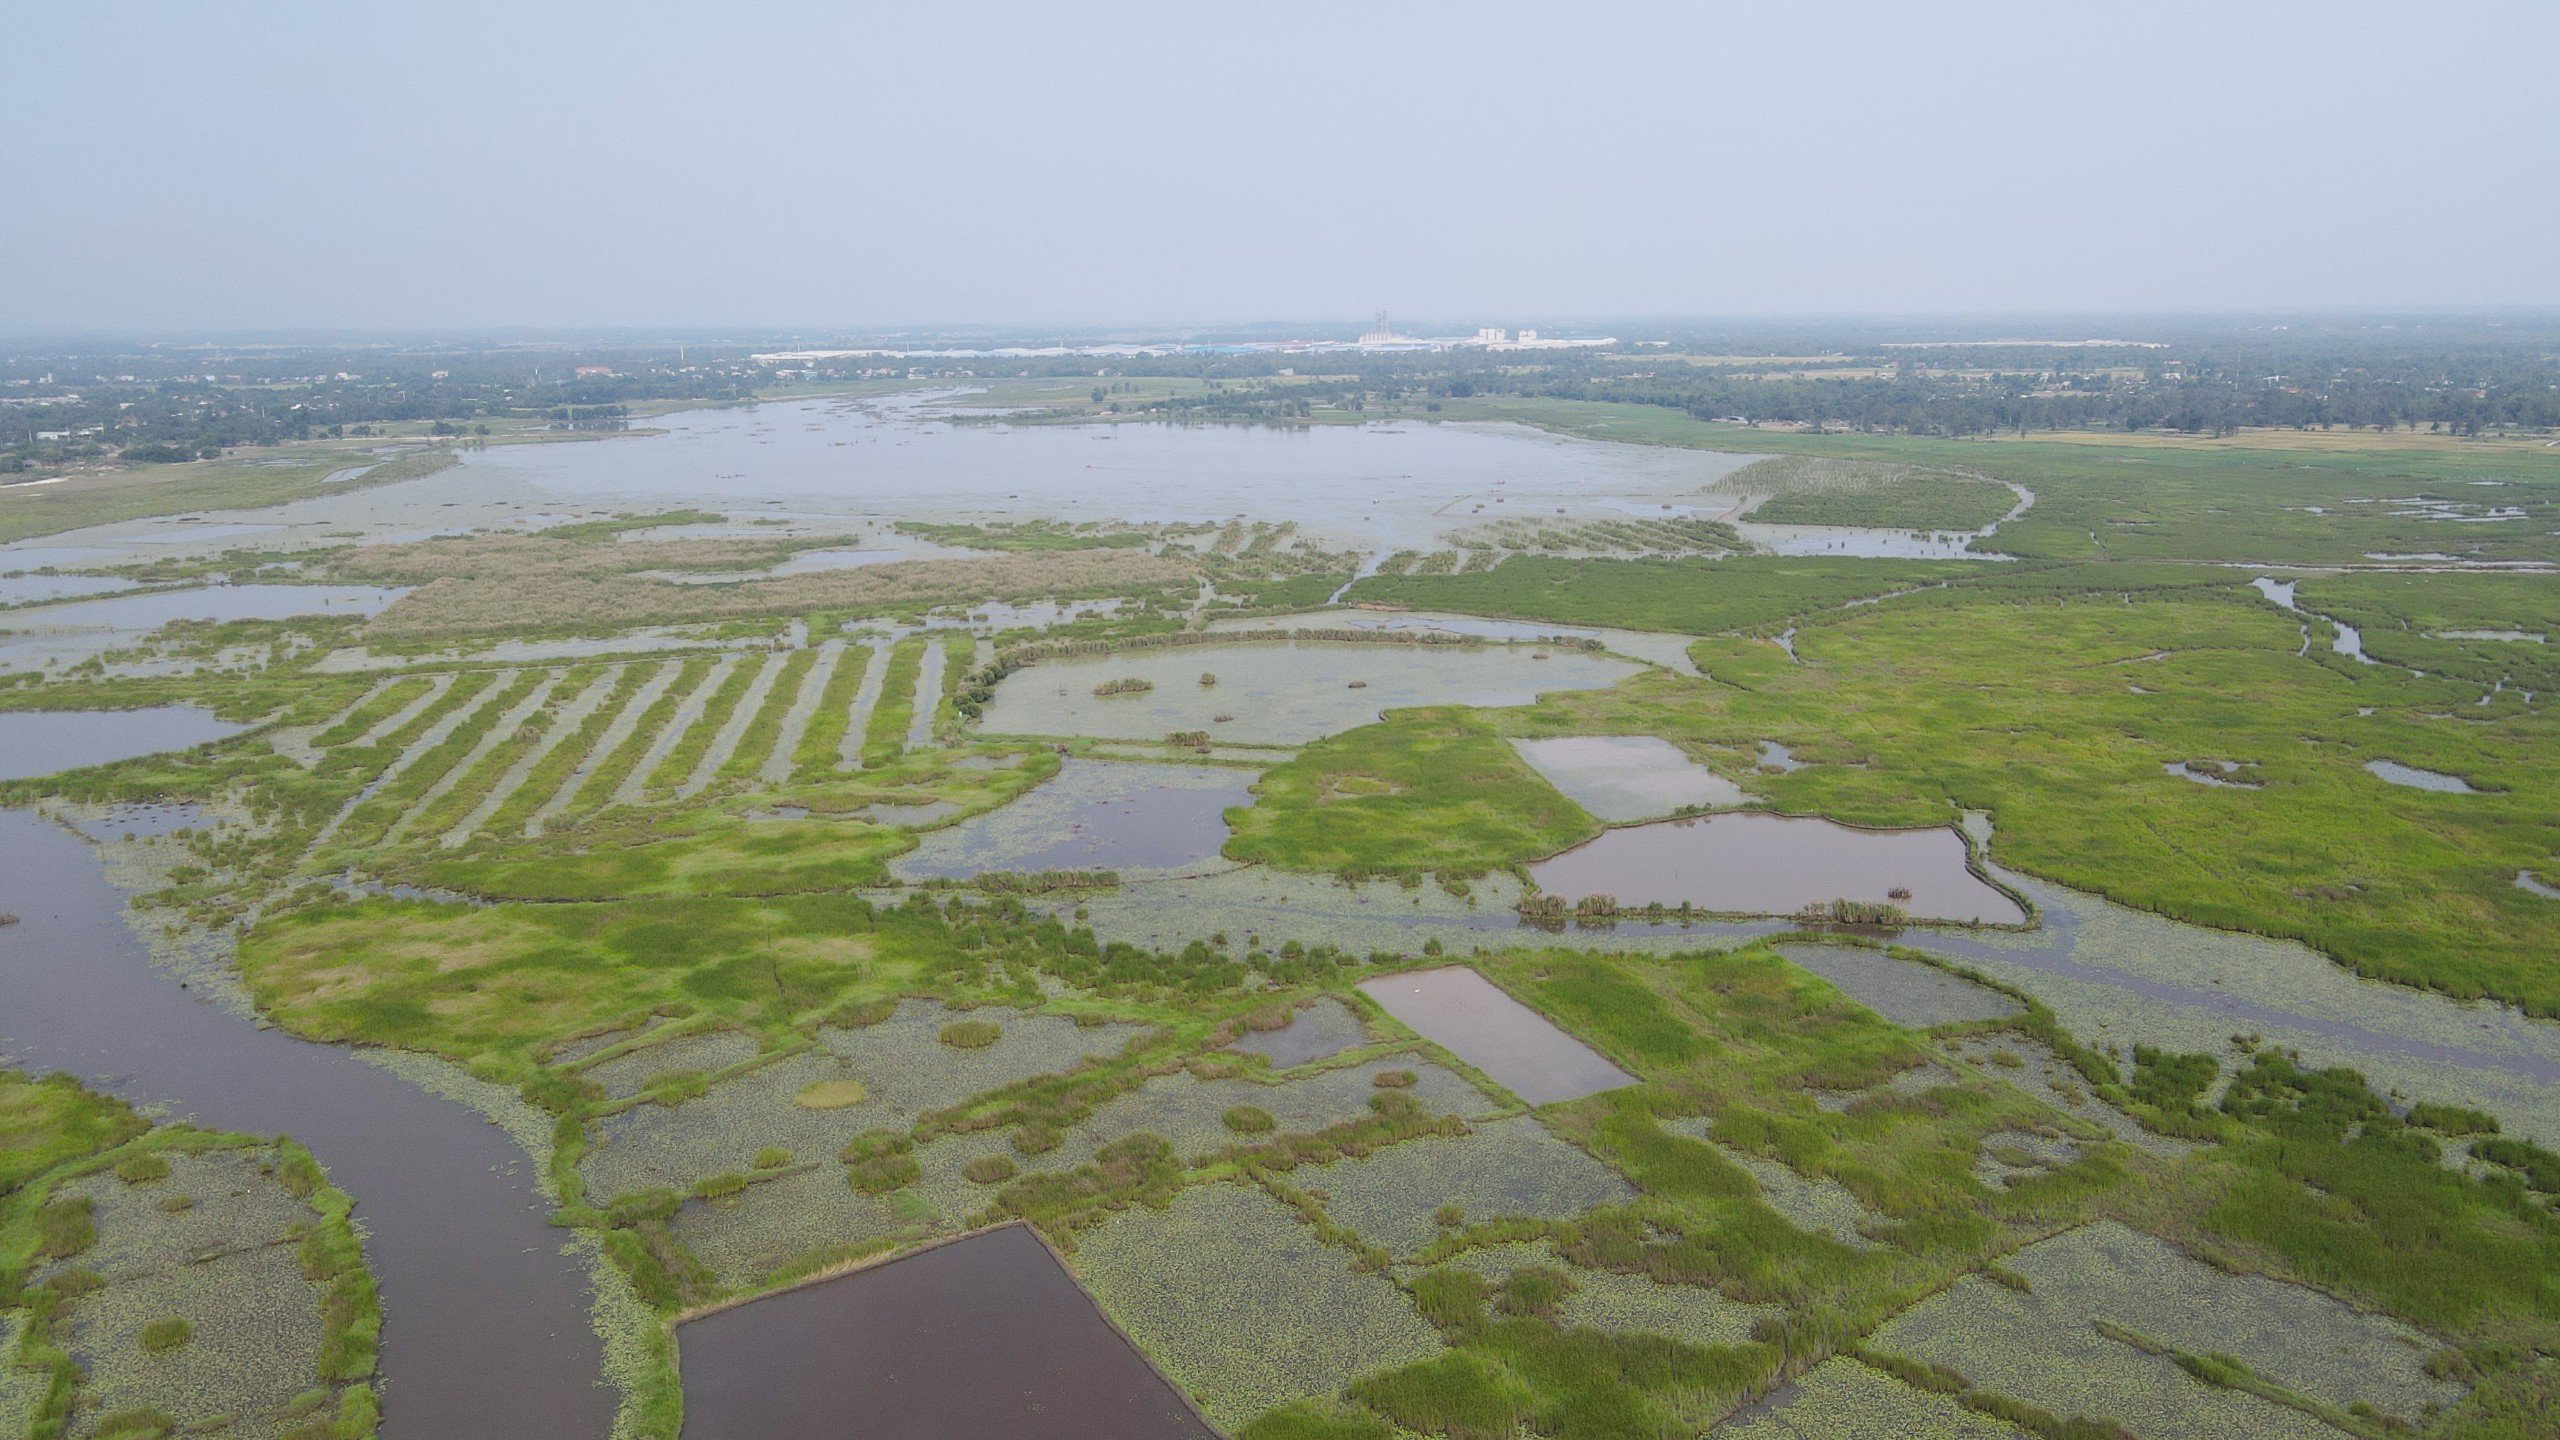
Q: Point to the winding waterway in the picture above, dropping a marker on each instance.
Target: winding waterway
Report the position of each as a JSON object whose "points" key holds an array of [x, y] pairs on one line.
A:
{"points": [[485, 1318]]}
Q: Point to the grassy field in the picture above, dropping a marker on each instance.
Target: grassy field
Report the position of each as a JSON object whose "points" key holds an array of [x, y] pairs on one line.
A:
{"points": [[2166, 498], [1427, 790], [1684, 596], [1809, 490], [248, 481], [2055, 714]]}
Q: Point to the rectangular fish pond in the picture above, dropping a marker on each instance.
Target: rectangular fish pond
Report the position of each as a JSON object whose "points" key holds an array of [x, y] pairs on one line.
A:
{"points": [[1751, 864], [1524, 1051], [986, 1338]]}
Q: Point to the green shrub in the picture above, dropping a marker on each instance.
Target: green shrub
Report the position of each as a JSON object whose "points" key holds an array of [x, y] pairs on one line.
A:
{"points": [[1459, 1395], [2539, 1167], [2452, 1119], [167, 1334], [64, 1228], [989, 1170], [144, 1424], [1318, 1420], [143, 1168], [1249, 1120], [971, 1034], [2171, 1081], [1535, 1291]]}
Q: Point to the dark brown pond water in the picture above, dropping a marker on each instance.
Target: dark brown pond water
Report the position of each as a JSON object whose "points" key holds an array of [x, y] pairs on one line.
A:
{"points": [[1521, 1049], [987, 1338], [1777, 865], [485, 1329]]}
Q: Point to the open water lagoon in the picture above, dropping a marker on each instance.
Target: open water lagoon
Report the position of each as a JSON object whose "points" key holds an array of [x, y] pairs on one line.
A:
{"points": [[1392, 486], [1277, 692]]}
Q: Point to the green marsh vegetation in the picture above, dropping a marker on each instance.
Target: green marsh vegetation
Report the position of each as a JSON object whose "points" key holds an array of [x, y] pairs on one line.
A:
{"points": [[1433, 789], [2050, 698], [1810, 490], [686, 951]]}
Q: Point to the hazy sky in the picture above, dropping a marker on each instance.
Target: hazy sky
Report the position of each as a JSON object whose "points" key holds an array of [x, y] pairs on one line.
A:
{"points": [[248, 165]]}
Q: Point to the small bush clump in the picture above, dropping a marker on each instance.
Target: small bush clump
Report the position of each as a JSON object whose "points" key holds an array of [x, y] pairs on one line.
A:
{"points": [[167, 1334], [989, 1170], [831, 1095], [1249, 1120], [141, 1169], [971, 1034]]}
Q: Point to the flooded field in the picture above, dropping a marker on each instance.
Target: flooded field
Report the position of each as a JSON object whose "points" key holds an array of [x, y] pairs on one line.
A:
{"points": [[1277, 693], [42, 742], [2105, 1307], [987, 1338], [1325, 1028], [1093, 815], [37, 589], [42, 635], [2122, 976], [1239, 1301], [1668, 651], [485, 1328], [1778, 865], [1521, 1049], [1400, 486], [1906, 992], [1628, 777]]}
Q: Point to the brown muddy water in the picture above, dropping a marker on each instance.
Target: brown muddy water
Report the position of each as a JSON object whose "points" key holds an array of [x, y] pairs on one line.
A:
{"points": [[485, 1327], [1524, 1051], [986, 1338], [1777, 865]]}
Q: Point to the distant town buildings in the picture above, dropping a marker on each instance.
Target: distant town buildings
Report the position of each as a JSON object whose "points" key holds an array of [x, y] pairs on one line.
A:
{"points": [[1380, 338]]}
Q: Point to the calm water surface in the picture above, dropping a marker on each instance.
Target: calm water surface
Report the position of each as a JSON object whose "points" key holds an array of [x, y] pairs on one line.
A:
{"points": [[986, 1338], [1521, 1049], [1383, 486], [1777, 865], [43, 742], [1092, 815], [485, 1329]]}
